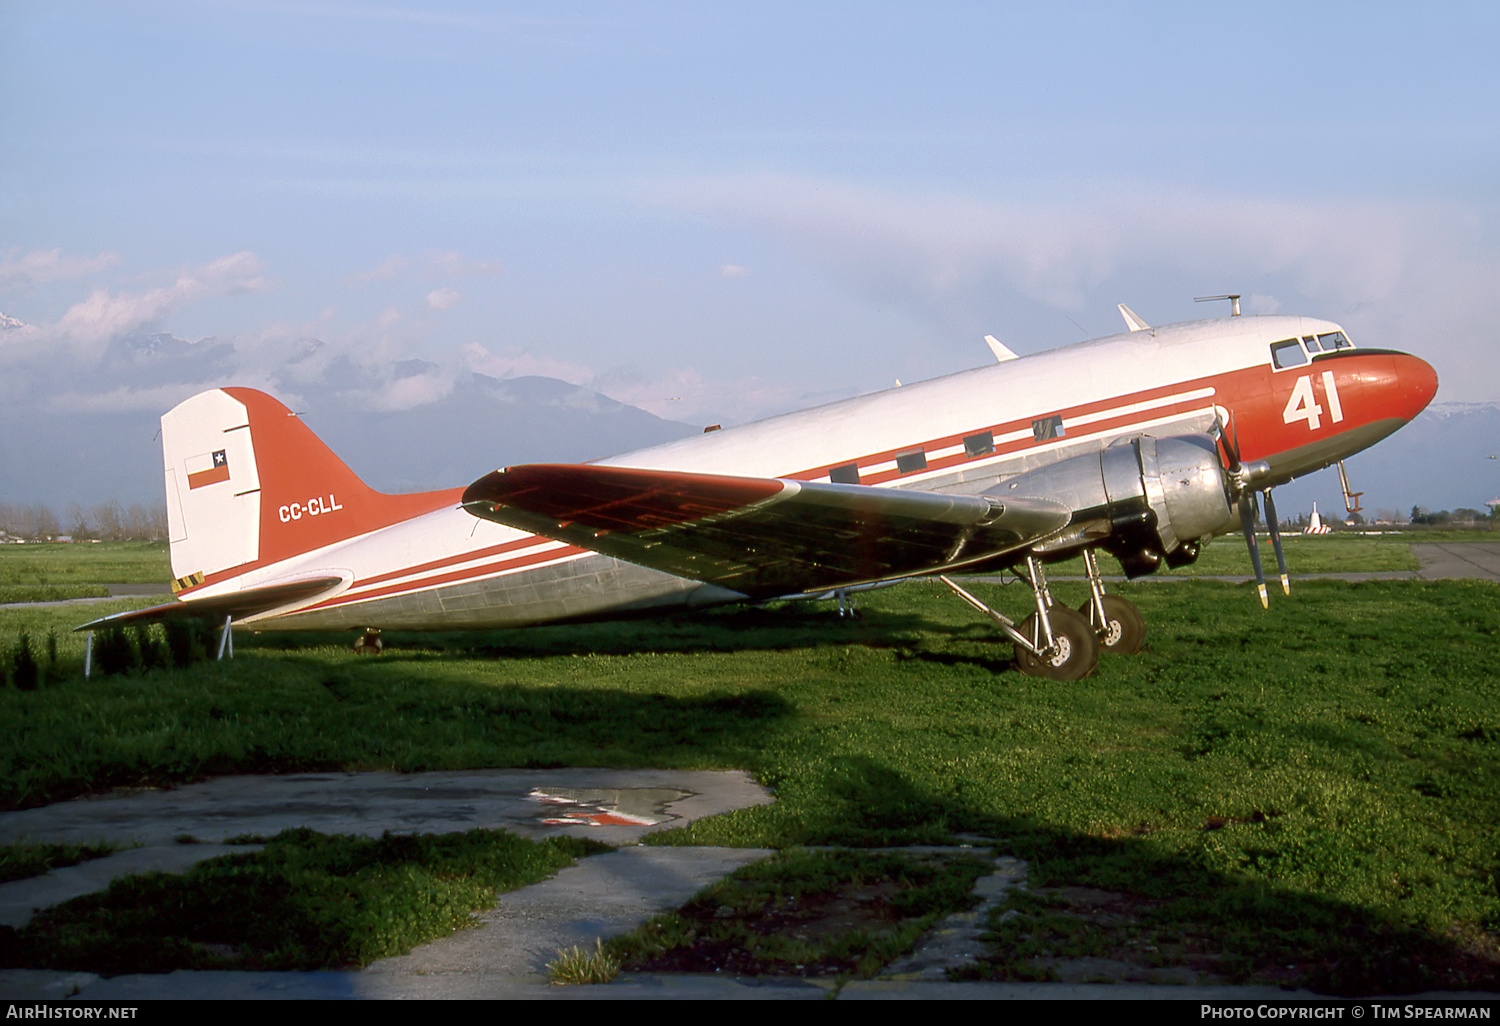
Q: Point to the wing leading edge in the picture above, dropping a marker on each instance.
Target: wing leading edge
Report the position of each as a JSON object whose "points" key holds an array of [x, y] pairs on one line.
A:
{"points": [[762, 537]]}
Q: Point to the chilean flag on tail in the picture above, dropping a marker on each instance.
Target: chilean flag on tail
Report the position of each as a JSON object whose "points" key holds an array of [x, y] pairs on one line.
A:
{"points": [[207, 469]]}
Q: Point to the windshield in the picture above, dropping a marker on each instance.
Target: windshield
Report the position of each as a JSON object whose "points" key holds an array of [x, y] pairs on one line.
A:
{"points": [[1294, 352]]}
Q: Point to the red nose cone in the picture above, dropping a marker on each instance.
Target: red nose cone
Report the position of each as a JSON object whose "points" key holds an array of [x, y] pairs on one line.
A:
{"points": [[1417, 384]]}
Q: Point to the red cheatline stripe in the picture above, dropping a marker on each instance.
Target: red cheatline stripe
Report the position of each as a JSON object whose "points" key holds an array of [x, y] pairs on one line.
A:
{"points": [[1067, 414], [437, 564], [1007, 448], [530, 541]]}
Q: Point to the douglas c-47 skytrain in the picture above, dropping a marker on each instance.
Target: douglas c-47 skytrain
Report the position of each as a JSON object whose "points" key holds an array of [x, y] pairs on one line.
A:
{"points": [[1142, 444]]}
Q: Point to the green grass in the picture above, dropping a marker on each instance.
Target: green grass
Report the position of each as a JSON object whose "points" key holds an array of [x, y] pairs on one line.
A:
{"points": [[306, 901], [1314, 785], [1305, 554], [58, 564]]}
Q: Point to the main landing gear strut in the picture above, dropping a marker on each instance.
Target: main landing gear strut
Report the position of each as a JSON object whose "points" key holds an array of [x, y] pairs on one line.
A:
{"points": [[1117, 621], [1057, 643]]}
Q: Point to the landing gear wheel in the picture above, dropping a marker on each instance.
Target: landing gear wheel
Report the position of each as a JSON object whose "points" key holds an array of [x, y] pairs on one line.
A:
{"points": [[1124, 628], [1076, 653], [369, 643]]}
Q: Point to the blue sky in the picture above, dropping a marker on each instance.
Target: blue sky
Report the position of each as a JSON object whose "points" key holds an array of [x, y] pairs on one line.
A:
{"points": [[716, 211]]}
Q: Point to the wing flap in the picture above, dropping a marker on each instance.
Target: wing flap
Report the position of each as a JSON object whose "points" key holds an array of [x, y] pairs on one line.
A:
{"points": [[235, 604], [759, 536]]}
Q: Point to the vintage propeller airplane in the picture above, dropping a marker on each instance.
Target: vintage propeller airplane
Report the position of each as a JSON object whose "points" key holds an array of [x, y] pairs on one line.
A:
{"points": [[1142, 444]]}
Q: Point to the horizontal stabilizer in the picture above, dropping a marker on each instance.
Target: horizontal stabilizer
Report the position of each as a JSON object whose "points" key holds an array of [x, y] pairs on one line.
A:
{"points": [[235, 604], [762, 537]]}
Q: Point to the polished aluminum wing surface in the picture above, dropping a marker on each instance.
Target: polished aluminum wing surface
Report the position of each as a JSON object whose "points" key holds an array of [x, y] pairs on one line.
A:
{"points": [[761, 537]]}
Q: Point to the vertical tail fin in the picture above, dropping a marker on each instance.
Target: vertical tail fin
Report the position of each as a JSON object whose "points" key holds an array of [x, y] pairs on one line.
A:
{"points": [[248, 484]]}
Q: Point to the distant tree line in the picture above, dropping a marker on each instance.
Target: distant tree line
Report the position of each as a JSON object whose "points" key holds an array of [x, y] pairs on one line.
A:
{"points": [[1423, 515], [106, 521]]}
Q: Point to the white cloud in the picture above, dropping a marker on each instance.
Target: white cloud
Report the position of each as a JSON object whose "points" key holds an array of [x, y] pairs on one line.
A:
{"points": [[732, 271], [103, 316], [521, 364], [443, 298], [1260, 304], [391, 396], [42, 266]]}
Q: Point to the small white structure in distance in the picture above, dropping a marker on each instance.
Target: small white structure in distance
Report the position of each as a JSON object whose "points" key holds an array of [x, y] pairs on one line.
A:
{"points": [[1315, 525]]}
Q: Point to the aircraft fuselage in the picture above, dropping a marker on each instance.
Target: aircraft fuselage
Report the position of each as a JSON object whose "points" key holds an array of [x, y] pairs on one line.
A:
{"points": [[421, 562]]}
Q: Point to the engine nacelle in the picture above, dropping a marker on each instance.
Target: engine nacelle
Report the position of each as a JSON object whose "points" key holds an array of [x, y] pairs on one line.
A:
{"points": [[1142, 499]]}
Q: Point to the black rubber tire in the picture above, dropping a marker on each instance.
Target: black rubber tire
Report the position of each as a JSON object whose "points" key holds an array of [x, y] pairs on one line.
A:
{"points": [[1124, 628], [1077, 644]]}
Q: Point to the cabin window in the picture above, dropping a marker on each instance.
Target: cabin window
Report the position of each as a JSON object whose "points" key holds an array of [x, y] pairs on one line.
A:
{"points": [[911, 462], [1287, 353], [981, 444], [1048, 428], [847, 474]]}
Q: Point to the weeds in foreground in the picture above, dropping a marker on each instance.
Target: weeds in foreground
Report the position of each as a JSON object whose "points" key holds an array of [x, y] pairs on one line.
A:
{"points": [[578, 966], [25, 671]]}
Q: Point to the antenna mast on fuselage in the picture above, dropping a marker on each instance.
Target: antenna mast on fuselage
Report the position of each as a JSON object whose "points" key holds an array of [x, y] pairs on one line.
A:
{"points": [[1234, 302]]}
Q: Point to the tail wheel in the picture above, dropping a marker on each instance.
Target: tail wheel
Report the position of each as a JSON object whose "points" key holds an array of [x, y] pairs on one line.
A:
{"points": [[1124, 628], [369, 643], [1075, 653]]}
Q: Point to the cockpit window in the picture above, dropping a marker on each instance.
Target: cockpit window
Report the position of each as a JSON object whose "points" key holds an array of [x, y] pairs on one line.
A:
{"points": [[1311, 343], [1334, 340], [1288, 353]]}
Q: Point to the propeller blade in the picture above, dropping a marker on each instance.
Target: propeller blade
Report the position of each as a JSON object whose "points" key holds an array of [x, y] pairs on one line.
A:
{"points": [[1229, 437], [1275, 528], [1229, 446], [1247, 521]]}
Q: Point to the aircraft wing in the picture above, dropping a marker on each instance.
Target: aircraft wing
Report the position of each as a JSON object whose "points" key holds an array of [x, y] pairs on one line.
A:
{"points": [[762, 537], [237, 604]]}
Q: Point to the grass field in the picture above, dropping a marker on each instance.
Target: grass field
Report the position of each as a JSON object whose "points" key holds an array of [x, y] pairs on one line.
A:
{"points": [[1311, 787], [101, 563], [53, 572]]}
